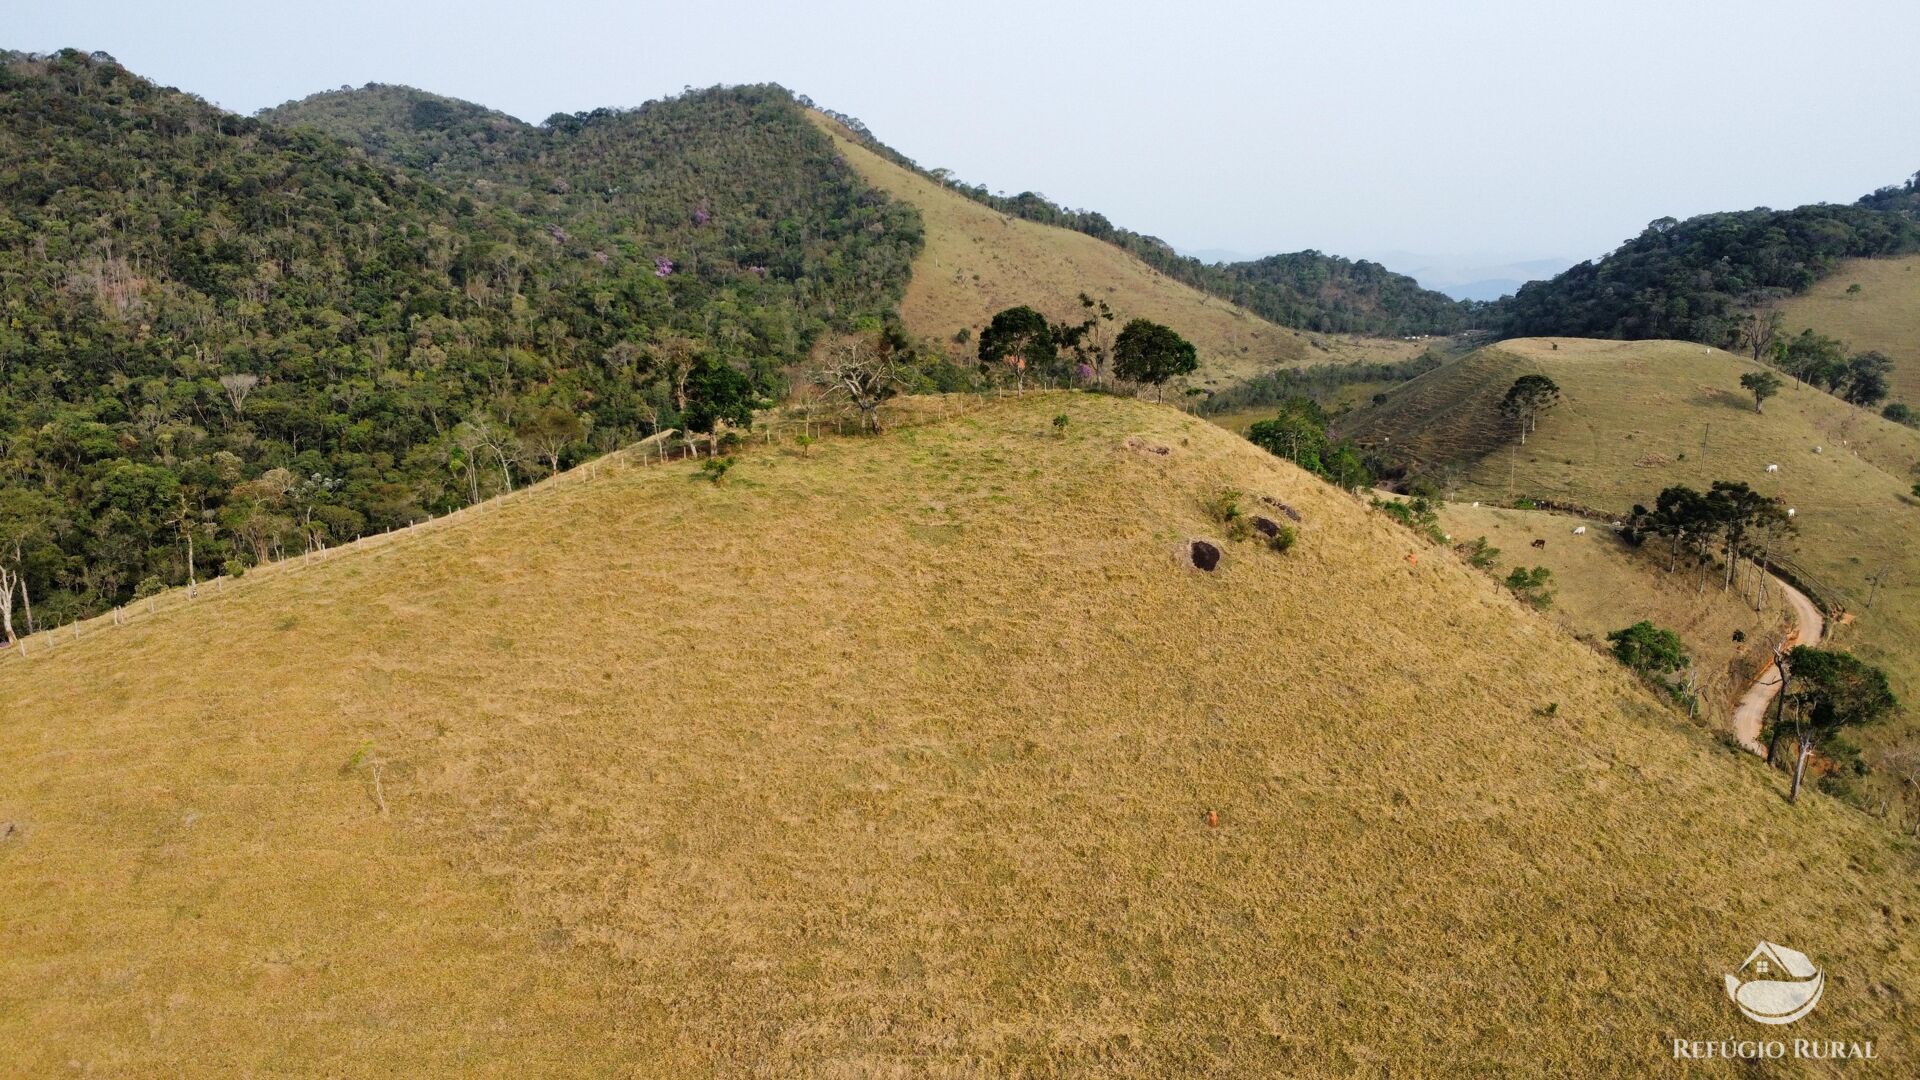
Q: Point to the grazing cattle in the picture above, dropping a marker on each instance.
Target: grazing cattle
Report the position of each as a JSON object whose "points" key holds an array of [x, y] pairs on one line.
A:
{"points": [[1773, 468], [1791, 511], [1819, 449], [1539, 543], [1580, 530]]}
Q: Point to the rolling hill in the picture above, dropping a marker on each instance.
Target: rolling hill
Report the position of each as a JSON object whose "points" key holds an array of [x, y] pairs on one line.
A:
{"points": [[978, 261], [1636, 417], [1884, 314], [1601, 584], [450, 140], [927, 753], [1691, 279], [1306, 290]]}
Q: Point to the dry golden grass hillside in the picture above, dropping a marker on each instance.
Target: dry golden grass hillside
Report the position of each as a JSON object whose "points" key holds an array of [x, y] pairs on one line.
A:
{"points": [[1883, 315], [895, 759], [1601, 584], [1636, 417], [978, 261]]}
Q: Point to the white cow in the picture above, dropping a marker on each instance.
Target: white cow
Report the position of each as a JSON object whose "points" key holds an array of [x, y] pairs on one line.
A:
{"points": [[1791, 511], [1580, 530], [1773, 468]]}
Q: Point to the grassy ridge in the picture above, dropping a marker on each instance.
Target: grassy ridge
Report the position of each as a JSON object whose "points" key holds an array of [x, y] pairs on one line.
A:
{"points": [[1308, 290], [1601, 584], [978, 261], [896, 757], [1883, 315], [1639, 416], [1450, 414]]}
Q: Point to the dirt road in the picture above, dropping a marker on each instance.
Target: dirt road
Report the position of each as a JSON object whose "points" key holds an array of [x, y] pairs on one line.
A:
{"points": [[1752, 710]]}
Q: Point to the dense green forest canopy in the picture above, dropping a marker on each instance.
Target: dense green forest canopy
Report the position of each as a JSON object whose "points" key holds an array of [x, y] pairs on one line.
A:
{"points": [[1690, 279], [1896, 198], [1306, 289], [244, 337], [438, 135]]}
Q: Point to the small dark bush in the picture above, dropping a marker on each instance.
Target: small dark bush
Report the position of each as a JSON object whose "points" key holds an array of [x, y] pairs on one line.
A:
{"points": [[714, 469]]}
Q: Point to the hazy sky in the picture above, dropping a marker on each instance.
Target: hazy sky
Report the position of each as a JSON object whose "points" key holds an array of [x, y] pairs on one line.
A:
{"points": [[1483, 131]]}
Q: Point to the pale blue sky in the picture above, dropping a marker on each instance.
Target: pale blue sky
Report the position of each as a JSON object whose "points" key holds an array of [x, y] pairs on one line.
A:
{"points": [[1468, 132]]}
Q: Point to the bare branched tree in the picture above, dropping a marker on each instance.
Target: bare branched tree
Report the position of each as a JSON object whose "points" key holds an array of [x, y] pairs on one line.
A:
{"points": [[482, 432], [1758, 329], [864, 371], [676, 358], [25, 518], [1902, 760], [551, 432], [237, 388], [186, 519]]}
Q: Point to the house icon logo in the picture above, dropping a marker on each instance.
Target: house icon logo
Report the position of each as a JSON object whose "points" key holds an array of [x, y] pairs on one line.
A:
{"points": [[1776, 985]]}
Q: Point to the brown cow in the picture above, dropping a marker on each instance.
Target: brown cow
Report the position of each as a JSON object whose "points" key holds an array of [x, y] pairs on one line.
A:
{"points": [[1539, 543]]}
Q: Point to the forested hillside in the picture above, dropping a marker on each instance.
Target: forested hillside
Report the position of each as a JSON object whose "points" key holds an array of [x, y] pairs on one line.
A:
{"points": [[439, 135], [1330, 293], [1306, 290], [735, 177], [225, 339], [1689, 279], [1897, 198]]}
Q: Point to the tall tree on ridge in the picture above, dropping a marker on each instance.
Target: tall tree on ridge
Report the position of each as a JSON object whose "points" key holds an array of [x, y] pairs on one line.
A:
{"points": [[1020, 338], [1527, 398], [1147, 352]]}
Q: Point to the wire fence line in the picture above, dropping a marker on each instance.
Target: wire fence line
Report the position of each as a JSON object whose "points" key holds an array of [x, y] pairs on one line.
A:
{"points": [[786, 426]]}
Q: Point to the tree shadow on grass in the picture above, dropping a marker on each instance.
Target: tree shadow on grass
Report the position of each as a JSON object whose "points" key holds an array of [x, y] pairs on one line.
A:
{"points": [[1711, 398]]}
